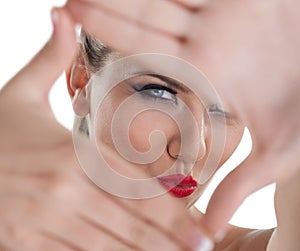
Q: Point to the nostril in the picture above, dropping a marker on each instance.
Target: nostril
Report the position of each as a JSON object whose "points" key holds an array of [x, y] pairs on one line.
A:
{"points": [[173, 148], [191, 154]]}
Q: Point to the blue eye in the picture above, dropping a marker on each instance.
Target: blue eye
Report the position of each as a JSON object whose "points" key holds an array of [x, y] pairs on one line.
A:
{"points": [[157, 92]]}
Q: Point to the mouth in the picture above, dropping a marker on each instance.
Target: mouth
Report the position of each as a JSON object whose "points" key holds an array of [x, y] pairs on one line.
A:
{"points": [[178, 185]]}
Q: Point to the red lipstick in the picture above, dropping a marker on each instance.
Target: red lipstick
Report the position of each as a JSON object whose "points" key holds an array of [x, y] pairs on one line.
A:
{"points": [[178, 184]]}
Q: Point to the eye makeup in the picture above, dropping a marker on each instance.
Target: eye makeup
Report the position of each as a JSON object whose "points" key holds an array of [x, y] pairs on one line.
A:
{"points": [[156, 91], [218, 112], [160, 88], [154, 88]]}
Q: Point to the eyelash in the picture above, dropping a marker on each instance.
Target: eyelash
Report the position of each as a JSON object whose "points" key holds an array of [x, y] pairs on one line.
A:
{"points": [[148, 91], [145, 91], [214, 109]]}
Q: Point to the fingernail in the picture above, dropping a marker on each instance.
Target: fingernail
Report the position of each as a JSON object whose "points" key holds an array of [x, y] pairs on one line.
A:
{"points": [[54, 17], [201, 243], [205, 245], [220, 236]]}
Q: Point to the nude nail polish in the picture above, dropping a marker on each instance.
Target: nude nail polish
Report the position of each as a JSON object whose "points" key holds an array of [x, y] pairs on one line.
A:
{"points": [[201, 243]]}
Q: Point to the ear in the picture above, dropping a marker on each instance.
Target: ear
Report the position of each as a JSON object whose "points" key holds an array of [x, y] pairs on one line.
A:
{"points": [[77, 78]]}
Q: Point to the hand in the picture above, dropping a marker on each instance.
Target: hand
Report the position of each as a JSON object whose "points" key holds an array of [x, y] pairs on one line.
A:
{"points": [[47, 202], [250, 52]]}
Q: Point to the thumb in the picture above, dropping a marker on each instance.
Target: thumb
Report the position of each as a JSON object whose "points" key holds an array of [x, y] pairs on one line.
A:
{"points": [[35, 80], [257, 171]]}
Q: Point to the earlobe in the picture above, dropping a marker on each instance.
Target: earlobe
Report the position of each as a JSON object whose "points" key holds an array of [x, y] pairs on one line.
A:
{"points": [[80, 101]]}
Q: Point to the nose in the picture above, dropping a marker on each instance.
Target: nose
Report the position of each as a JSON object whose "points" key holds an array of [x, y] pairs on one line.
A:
{"points": [[189, 143]]}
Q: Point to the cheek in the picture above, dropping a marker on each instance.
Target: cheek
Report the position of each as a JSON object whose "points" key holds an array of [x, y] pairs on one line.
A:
{"points": [[103, 127], [104, 118]]}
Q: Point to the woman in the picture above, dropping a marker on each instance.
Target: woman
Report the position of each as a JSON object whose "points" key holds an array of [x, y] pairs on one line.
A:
{"points": [[55, 206], [93, 56], [151, 103], [45, 144]]}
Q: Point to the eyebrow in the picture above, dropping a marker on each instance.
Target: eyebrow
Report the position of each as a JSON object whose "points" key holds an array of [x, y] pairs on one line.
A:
{"points": [[171, 82]]}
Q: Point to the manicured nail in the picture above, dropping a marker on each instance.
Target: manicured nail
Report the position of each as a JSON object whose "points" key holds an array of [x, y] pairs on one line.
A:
{"points": [[54, 17], [201, 243], [219, 236], [205, 245]]}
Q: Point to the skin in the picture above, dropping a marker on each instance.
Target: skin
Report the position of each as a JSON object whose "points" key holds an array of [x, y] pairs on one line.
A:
{"points": [[45, 193], [34, 82], [141, 127], [149, 121], [40, 184], [259, 41]]}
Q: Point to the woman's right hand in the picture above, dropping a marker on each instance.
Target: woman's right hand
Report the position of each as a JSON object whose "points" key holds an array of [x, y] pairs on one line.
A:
{"points": [[47, 202], [249, 51]]}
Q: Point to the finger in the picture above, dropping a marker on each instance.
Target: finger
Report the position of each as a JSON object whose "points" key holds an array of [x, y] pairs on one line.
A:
{"points": [[254, 173], [64, 225], [36, 79], [119, 33], [135, 224], [38, 222], [20, 238], [172, 227], [21, 221], [85, 221], [129, 226], [160, 16], [136, 227], [126, 227]]}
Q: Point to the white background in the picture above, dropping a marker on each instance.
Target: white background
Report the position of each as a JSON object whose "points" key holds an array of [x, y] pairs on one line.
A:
{"points": [[25, 26]]}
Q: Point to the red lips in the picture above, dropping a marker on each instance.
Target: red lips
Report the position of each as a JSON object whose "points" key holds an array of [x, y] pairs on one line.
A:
{"points": [[178, 184]]}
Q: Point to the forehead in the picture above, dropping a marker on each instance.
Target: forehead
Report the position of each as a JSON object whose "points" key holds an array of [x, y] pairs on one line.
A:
{"points": [[173, 71]]}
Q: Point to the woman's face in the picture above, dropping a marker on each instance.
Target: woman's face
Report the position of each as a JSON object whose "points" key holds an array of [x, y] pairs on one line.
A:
{"points": [[159, 100]]}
